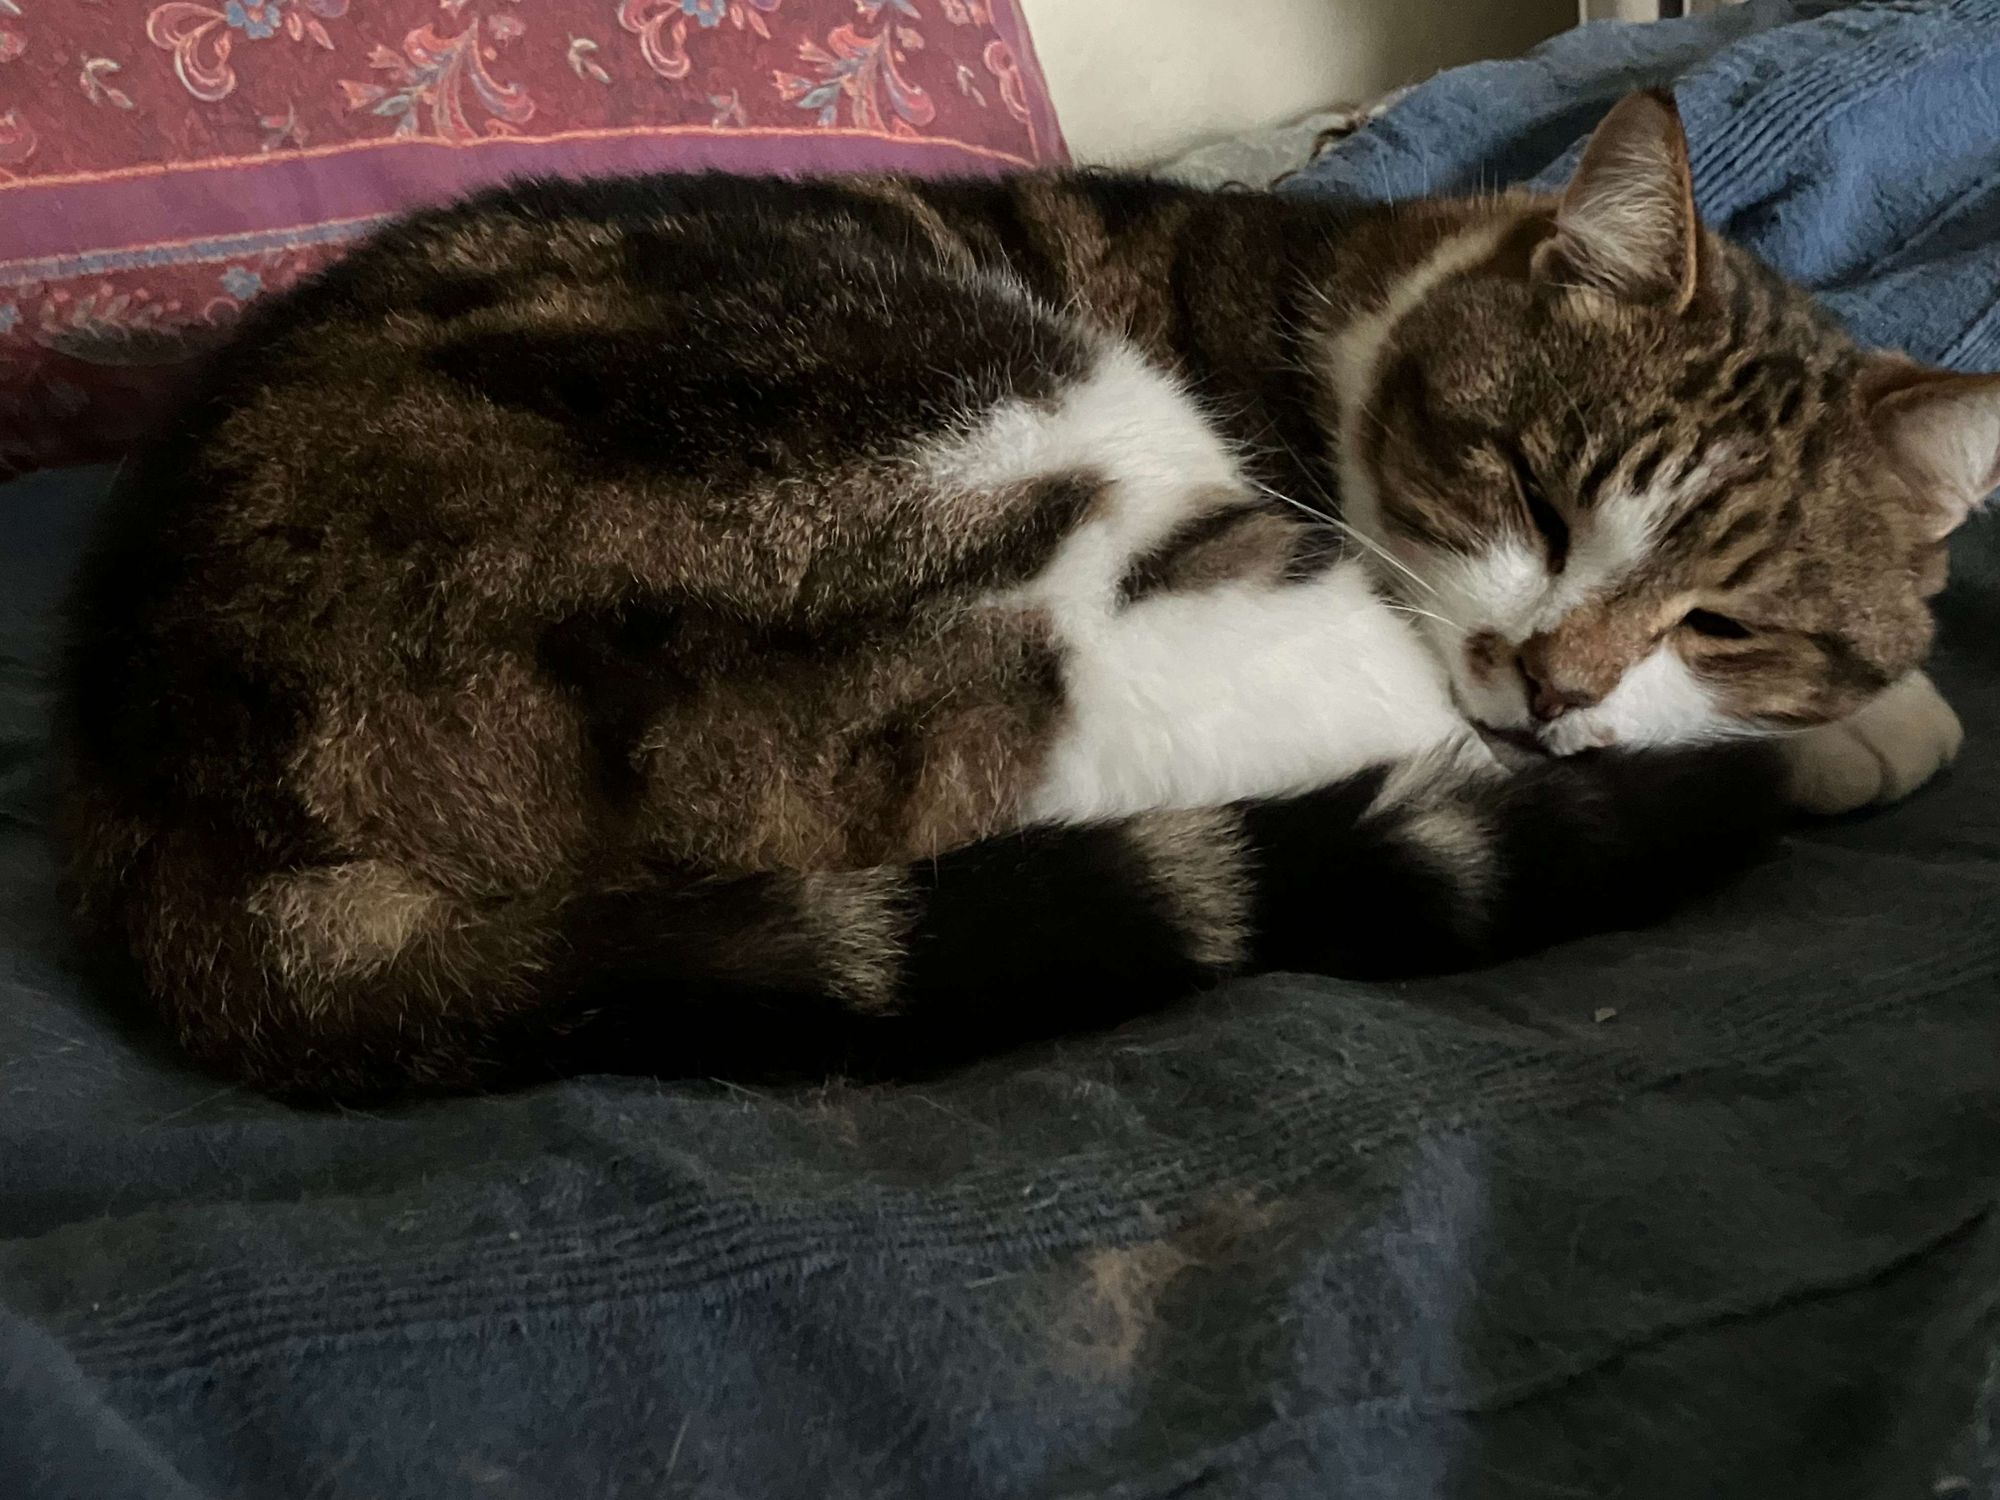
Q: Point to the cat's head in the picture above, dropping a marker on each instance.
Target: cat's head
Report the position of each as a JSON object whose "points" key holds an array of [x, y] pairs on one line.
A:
{"points": [[1641, 489]]}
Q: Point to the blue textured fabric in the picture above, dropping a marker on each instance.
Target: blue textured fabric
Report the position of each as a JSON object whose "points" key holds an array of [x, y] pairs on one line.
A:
{"points": [[1706, 1211], [1854, 147]]}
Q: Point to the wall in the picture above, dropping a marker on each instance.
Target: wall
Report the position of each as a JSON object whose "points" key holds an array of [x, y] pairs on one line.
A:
{"points": [[1137, 79]]}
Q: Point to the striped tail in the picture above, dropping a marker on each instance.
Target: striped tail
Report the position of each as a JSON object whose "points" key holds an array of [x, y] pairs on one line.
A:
{"points": [[1432, 866]]}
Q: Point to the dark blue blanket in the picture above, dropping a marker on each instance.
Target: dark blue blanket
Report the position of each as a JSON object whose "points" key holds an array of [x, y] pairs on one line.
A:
{"points": [[1705, 1212]]}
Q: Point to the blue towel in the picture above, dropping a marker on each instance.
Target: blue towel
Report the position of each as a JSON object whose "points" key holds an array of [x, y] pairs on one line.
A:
{"points": [[1705, 1211], [1855, 150]]}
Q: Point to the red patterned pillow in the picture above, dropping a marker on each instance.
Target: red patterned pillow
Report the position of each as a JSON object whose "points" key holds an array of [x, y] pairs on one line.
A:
{"points": [[163, 163]]}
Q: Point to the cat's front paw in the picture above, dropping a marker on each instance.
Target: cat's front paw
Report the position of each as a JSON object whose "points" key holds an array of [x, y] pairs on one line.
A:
{"points": [[1882, 751]]}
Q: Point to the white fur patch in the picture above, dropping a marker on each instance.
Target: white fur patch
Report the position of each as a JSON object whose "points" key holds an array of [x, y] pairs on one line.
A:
{"points": [[1184, 700], [1657, 702], [1504, 589], [1127, 421], [1189, 700]]}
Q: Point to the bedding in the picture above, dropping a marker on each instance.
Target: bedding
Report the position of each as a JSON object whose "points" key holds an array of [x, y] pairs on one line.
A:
{"points": [[1269, 158], [1705, 1210]]}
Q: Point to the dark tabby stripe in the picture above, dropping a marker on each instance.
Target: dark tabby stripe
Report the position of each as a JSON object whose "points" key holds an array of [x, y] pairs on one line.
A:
{"points": [[1042, 931], [1847, 667], [1177, 562], [1757, 562], [1600, 471], [1707, 507]]}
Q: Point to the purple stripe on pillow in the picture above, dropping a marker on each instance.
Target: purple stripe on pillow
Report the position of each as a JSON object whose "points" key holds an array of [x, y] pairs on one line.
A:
{"points": [[188, 252], [368, 180]]}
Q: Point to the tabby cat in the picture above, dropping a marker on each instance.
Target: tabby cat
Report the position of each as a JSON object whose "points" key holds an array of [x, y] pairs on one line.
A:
{"points": [[601, 617]]}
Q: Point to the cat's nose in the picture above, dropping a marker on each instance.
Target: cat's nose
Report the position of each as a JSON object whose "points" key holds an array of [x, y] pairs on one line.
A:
{"points": [[1548, 699], [1550, 703]]}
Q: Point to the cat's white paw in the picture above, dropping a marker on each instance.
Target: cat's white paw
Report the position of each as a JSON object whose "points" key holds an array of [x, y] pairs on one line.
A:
{"points": [[1881, 752]]}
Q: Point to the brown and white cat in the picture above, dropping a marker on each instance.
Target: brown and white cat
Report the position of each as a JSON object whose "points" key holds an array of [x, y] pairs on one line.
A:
{"points": [[846, 617]]}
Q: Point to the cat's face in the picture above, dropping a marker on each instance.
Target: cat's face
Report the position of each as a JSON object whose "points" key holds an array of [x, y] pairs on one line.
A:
{"points": [[1643, 491]]}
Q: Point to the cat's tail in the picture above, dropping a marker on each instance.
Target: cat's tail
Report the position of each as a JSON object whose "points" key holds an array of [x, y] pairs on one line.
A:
{"points": [[1434, 865], [360, 979]]}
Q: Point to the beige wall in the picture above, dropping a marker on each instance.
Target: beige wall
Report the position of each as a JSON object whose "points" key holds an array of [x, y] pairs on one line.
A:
{"points": [[1137, 79]]}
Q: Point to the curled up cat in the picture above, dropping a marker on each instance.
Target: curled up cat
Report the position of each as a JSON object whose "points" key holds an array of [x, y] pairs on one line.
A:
{"points": [[598, 616]]}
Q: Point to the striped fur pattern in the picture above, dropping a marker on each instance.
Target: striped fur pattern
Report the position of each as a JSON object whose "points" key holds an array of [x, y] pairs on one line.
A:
{"points": [[1673, 501], [864, 621]]}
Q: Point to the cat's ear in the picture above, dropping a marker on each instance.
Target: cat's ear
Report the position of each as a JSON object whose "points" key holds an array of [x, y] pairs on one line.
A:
{"points": [[1627, 223], [1941, 428]]}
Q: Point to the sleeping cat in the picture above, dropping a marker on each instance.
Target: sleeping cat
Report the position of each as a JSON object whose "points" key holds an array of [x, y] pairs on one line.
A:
{"points": [[600, 613]]}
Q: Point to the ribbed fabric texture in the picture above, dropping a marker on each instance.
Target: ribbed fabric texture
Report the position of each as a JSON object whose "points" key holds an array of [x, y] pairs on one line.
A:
{"points": [[1703, 1211], [1854, 147]]}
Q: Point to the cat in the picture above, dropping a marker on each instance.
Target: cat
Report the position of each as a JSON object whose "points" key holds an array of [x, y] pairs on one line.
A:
{"points": [[598, 616]]}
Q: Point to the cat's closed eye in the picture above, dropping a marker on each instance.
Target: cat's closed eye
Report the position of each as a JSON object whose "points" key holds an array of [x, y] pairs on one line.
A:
{"points": [[1715, 626], [1546, 519]]}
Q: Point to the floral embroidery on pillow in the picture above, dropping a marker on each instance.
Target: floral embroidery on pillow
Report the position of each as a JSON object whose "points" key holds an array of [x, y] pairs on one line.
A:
{"points": [[428, 80], [201, 38]]}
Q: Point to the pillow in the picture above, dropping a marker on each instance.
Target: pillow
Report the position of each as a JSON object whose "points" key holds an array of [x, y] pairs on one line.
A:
{"points": [[162, 164]]}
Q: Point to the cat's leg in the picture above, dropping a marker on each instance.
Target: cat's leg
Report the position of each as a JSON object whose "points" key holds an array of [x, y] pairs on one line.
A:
{"points": [[1880, 753]]}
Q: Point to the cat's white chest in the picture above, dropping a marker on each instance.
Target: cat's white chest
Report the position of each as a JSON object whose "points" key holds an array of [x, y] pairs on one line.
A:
{"points": [[1195, 699], [1200, 697]]}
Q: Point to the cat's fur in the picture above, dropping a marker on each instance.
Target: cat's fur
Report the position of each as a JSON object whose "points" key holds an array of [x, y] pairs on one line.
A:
{"points": [[881, 608]]}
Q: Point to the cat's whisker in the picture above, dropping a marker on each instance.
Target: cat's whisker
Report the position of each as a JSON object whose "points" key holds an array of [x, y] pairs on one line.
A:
{"points": [[1294, 326], [1397, 608], [1355, 535], [1320, 295], [1375, 548], [1318, 517]]}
